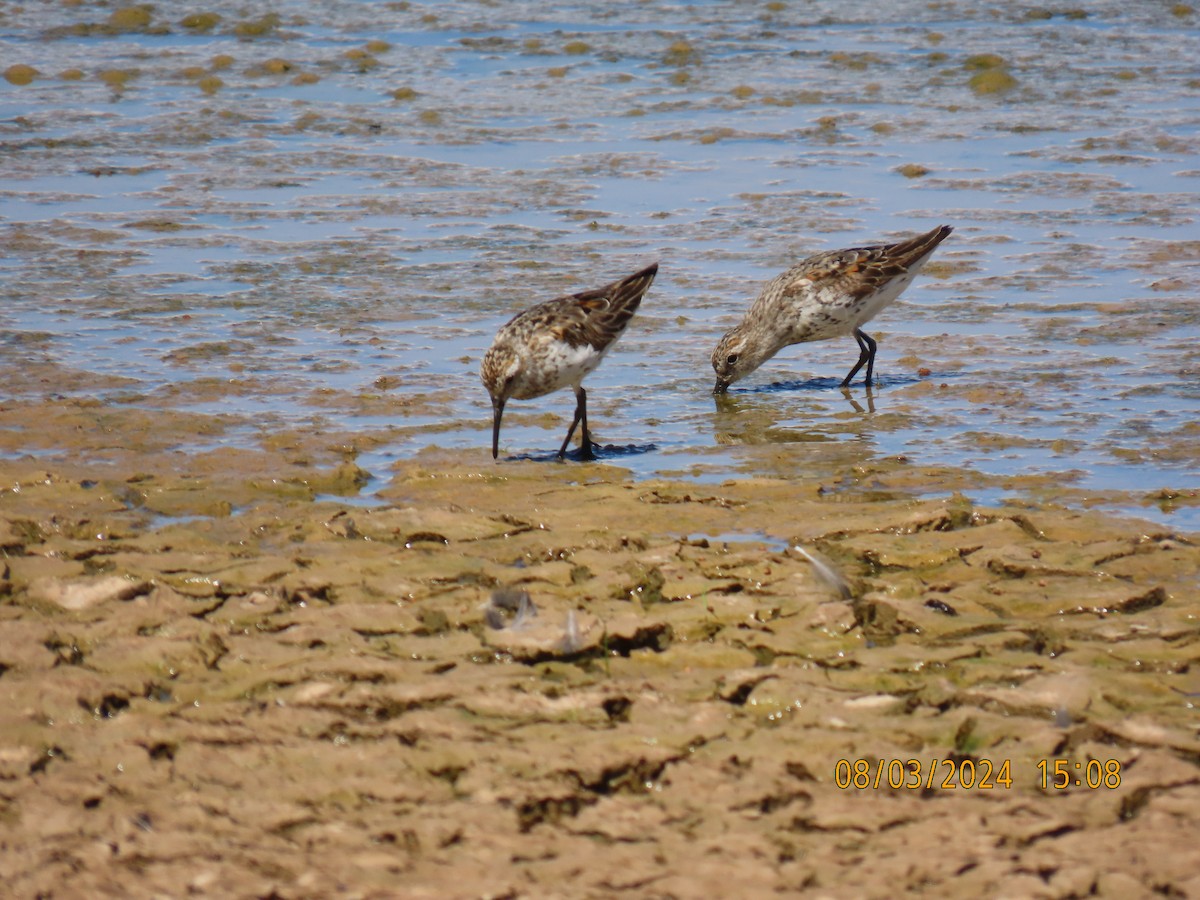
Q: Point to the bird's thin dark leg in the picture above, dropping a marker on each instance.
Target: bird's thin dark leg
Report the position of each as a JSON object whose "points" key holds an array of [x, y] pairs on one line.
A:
{"points": [[562, 451], [580, 416], [866, 354], [585, 441], [870, 362]]}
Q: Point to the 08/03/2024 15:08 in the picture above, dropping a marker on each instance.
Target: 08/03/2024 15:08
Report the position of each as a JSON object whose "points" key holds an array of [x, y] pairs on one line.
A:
{"points": [[968, 774]]}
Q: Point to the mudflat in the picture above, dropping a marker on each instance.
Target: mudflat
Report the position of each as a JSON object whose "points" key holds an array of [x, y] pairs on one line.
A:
{"points": [[545, 679]]}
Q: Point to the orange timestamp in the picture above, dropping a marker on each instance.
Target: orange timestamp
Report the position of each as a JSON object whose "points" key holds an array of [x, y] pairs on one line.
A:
{"points": [[918, 774], [1093, 774], [969, 774]]}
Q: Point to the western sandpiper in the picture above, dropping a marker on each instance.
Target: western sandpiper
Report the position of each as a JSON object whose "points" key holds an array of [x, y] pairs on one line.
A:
{"points": [[555, 344], [825, 296]]}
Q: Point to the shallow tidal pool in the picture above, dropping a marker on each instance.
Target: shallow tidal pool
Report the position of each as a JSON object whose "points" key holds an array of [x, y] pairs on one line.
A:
{"points": [[315, 220]]}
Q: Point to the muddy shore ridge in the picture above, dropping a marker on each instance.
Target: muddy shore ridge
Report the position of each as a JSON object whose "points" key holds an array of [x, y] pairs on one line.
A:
{"points": [[214, 682]]}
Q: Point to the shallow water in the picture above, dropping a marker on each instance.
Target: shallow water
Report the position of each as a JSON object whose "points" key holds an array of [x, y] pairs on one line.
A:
{"points": [[330, 255]]}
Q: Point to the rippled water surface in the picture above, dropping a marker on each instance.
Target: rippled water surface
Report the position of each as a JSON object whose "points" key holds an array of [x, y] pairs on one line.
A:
{"points": [[317, 219]]}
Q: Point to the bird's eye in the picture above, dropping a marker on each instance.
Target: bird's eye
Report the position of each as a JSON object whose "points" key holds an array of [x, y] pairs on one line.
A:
{"points": [[731, 360]]}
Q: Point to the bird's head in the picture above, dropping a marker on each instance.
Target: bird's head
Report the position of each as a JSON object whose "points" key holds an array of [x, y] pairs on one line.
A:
{"points": [[733, 359], [499, 372]]}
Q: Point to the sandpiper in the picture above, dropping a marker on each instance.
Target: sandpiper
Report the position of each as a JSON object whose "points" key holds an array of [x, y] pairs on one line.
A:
{"points": [[825, 296], [555, 345]]}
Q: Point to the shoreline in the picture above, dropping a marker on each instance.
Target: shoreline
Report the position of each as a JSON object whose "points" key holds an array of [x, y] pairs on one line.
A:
{"points": [[311, 697]]}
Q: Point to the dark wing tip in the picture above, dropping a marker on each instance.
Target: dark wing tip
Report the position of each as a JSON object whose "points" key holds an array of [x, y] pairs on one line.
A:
{"points": [[636, 284], [942, 232], [920, 246], [628, 292]]}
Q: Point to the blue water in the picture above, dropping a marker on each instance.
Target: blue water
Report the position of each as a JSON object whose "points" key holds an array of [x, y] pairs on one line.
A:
{"points": [[333, 236]]}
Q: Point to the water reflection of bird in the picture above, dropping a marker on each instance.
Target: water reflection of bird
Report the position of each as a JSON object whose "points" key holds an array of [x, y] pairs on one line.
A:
{"points": [[749, 418], [855, 405], [825, 296], [555, 345]]}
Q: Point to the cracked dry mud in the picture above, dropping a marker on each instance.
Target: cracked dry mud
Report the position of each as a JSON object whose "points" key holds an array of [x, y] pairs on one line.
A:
{"points": [[267, 695]]}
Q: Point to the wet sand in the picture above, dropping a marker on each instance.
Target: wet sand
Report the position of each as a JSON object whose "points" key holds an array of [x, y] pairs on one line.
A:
{"points": [[214, 684], [268, 604]]}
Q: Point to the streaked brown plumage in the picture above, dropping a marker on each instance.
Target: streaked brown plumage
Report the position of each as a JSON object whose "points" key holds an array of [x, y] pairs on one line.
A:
{"points": [[555, 344], [827, 295]]}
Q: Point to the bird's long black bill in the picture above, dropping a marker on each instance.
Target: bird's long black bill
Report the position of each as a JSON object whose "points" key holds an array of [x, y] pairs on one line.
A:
{"points": [[720, 387], [497, 412]]}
